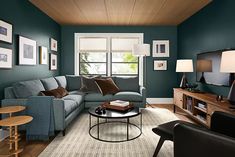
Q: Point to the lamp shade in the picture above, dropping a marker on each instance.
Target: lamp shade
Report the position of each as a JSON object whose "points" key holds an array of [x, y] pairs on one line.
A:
{"points": [[184, 65], [204, 65], [141, 50], [227, 64]]}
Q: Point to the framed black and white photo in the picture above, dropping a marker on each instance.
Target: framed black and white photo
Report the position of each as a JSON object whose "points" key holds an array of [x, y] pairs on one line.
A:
{"points": [[53, 62], [5, 58], [53, 44], [5, 32], [43, 55], [27, 51], [161, 48], [160, 65]]}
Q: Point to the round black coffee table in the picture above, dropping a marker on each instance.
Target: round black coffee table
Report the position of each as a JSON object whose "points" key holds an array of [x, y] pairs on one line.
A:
{"points": [[111, 114]]}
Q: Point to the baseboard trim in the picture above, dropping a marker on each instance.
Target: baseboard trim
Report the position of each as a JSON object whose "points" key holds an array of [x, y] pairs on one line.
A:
{"points": [[160, 100], [3, 134]]}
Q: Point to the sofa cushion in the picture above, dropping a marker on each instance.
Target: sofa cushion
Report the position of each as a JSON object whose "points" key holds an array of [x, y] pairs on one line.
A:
{"points": [[69, 106], [88, 84], [127, 83], [107, 86], [61, 80], [128, 96], [73, 82], [26, 89], [59, 92], [76, 92], [49, 83], [98, 97], [77, 98]]}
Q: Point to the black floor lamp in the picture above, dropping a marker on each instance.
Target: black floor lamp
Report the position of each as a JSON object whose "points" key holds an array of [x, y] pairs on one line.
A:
{"points": [[228, 66]]}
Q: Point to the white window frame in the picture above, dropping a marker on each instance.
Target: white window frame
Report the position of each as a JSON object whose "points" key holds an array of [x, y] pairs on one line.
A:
{"points": [[109, 36]]}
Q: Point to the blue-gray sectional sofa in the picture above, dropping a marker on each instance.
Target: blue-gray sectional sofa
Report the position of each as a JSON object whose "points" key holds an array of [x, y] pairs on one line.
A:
{"points": [[68, 107]]}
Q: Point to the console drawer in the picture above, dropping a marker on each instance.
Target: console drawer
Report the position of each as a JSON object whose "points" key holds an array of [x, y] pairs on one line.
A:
{"points": [[178, 99]]}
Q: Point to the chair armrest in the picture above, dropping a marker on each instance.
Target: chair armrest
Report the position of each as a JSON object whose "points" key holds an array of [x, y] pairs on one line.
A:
{"points": [[223, 123], [143, 93], [190, 140], [59, 114]]}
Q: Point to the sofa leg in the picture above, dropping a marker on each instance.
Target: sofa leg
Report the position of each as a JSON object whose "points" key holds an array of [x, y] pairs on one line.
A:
{"points": [[64, 132]]}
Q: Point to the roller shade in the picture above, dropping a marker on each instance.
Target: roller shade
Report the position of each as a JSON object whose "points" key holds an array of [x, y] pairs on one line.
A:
{"points": [[92, 44], [123, 44]]}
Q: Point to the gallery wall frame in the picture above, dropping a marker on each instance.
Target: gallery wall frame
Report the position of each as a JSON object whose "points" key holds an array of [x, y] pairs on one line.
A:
{"points": [[161, 48], [43, 55], [53, 44], [53, 61], [160, 65], [5, 58], [6, 31], [27, 51]]}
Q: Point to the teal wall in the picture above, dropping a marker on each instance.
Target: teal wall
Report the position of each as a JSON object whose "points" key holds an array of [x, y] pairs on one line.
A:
{"points": [[159, 83], [30, 22], [212, 28]]}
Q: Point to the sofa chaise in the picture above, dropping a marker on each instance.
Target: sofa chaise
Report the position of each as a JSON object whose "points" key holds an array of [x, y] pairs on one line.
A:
{"points": [[68, 107]]}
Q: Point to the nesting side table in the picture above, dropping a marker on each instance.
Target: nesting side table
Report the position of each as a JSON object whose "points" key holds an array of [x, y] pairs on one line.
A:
{"points": [[14, 122]]}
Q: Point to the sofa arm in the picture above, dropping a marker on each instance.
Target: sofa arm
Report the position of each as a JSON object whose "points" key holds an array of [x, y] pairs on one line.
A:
{"points": [[143, 93], [59, 115]]}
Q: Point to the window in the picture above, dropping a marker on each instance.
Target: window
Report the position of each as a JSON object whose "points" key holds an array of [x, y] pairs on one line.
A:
{"points": [[107, 54]]}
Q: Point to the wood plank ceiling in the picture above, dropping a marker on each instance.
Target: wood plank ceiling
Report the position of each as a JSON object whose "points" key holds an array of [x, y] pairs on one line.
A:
{"points": [[120, 12]]}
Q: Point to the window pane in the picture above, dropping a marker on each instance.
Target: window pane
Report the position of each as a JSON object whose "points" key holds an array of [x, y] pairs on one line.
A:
{"points": [[92, 57], [93, 44], [92, 68], [124, 57], [123, 44], [125, 68]]}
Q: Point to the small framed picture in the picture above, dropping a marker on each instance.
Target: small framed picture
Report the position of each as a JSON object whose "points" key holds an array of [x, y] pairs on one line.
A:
{"points": [[5, 58], [161, 48], [160, 65], [43, 55], [53, 62], [5, 32], [53, 44], [27, 51]]}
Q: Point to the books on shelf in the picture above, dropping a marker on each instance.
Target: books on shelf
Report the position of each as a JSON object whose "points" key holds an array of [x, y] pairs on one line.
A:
{"points": [[189, 104], [119, 103], [200, 105], [201, 117]]}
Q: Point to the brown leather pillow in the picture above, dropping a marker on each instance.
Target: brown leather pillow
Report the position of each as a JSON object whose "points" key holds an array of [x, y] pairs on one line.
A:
{"points": [[107, 86], [59, 92]]}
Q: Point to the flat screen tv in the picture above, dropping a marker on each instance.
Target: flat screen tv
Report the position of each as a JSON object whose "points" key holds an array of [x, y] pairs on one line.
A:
{"points": [[208, 69]]}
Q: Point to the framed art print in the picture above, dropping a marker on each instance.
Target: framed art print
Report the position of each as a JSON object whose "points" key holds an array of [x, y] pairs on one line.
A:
{"points": [[161, 48], [5, 58], [27, 51], [5, 32], [160, 65], [53, 62], [43, 53], [53, 44]]}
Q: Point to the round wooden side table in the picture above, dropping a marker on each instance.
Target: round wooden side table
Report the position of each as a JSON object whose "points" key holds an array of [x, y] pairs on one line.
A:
{"points": [[14, 122], [10, 110]]}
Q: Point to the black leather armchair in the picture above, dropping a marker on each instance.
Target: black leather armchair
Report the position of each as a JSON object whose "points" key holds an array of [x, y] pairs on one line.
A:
{"points": [[194, 141]]}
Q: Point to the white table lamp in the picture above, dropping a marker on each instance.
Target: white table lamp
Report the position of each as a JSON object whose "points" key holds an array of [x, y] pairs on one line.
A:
{"points": [[228, 66], [184, 65]]}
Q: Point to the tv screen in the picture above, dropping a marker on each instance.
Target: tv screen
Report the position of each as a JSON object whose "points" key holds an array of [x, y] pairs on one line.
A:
{"points": [[208, 69]]}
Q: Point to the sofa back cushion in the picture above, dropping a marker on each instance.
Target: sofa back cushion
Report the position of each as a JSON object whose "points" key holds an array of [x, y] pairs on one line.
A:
{"points": [[127, 83], [61, 80], [73, 82], [49, 83], [9, 93], [26, 89]]}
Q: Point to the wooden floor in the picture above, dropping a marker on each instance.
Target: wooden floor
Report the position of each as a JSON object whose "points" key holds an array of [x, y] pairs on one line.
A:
{"points": [[33, 149]]}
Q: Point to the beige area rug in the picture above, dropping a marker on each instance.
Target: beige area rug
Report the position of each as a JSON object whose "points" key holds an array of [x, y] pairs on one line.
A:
{"points": [[78, 143]]}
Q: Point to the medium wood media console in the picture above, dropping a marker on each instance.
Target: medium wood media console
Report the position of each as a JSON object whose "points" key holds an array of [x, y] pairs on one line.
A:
{"points": [[200, 106]]}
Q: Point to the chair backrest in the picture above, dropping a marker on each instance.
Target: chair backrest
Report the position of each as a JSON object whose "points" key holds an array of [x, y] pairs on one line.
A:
{"points": [[223, 123], [192, 141]]}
